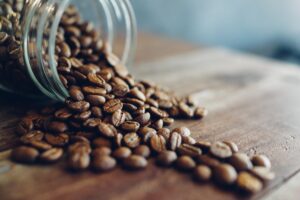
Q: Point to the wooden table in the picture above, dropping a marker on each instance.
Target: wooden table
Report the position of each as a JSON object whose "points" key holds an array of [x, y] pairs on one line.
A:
{"points": [[253, 101]]}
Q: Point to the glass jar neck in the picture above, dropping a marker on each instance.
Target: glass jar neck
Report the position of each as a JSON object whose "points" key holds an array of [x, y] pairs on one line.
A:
{"points": [[40, 23]]}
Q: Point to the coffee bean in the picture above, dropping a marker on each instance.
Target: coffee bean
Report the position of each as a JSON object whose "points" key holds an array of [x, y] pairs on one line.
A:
{"points": [[122, 153], [241, 162], [207, 160], [186, 149], [225, 174], [107, 130], [200, 112], [78, 106], [131, 140], [94, 90], [185, 110], [248, 183], [102, 142], [234, 148], [65, 49], [158, 143], [158, 113], [204, 145], [52, 155], [135, 162], [31, 136], [57, 140], [202, 173], [79, 160], [80, 146], [24, 126], [25, 154], [76, 94], [82, 116], [220, 150], [147, 133], [96, 112], [103, 163], [166, 158], [96, 79], [185, 163], [143, 119], [165, 132], [142, 150], [63, 114], [57, 127], [175, 141], [96, 100], [92, 123], [183, 131], [118, 118], [168, 121], [120, 70], [130, 126], [263, 173], [120, 90], [112, 106], [158, 124], [136, 93], [40, 145], [188, 140], [261, 160]]}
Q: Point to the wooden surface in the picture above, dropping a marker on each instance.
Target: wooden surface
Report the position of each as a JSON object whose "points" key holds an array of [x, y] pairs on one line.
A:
{"points": [[253, 101]]}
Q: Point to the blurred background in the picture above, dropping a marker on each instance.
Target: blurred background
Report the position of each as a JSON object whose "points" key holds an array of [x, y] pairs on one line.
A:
{"points": [[265, 27]]}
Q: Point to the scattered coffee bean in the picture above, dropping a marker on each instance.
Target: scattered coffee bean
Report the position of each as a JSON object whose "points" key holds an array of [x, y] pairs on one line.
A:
{"points": [[185, 163], [131, 140], [57, 140], [183, 131], [158, 143], [207, 160], [101, 151], [175, 141], [249, 183], [135, 162], [166, 158], [189, 150], [202, 173], [122, 153], [52, 155], [103, 163], [234, 148], [225, 174], [263, 173], [79, 160], [241, 162], [220, 150], [25, 154], [142, 150], [261, 160]]}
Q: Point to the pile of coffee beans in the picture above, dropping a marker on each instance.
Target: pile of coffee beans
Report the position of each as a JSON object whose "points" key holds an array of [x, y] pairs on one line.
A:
{"points": [[111, 119]]}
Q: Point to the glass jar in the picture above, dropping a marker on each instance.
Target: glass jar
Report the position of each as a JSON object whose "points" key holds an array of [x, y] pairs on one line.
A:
{"points": [[30, 30]]}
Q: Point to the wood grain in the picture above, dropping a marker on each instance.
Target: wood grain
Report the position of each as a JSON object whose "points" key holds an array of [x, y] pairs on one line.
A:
{"points": [[252, 101]]}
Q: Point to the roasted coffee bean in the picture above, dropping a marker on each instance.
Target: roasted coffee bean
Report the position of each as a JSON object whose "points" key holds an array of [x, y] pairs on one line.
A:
{"points": [[131, 140], [103, 163], [158, 124], [166, 158], [57, 140], [185, 163], [220, 150], [79, 106], [79, 160], [63, 114], [24, 126], [118, 140], [188, 140], [189, 150], [143, 119], [80, 146], [185, 110], [183, 131], [122, 153], [96, 79], [147, 133], [57, 127], [120, 90], [41, 145], [234, 148], [136, 93], [165, 104], [204, 145], [224, 174], [120, 70], [25, 154], [96, 112], [89, 69], [82, 116], [31, 136], [202, 173], [65, 49], [92, 123], [249, 183], [175, 141], [118, 118], [168, 121], [96, 100], [76, 94], [165, 132], [241, 162], [94, 90], [263, 173], [261, 160], [158, 113], [142, 150], [52, 155], [135, 162], [86, 134], [130, 126], [107, 130], [112, 106], [102, 142], [158, 143], [207, 160], [200, 112]]}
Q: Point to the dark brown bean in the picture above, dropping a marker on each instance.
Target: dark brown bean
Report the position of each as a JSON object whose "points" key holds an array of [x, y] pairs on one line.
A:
{"points": [[32, 135], [249, 183], [102, 142], [63, 114], [57, 127], [261, 160], [175, 141], [143, 119], [263, 173], [165, 132], [57, 140], [79, 106], [241, 162], [76, 94], [220, 150], [158, 113], [25, 154], [183, 131], [52, 155], [103, 163], [158, 143], [131, 140], [135, 162], [96, 100], [112, 106], [202, 173], [189, 150], [185, 110], [146, 133], [142, 150], [96, 79], [225, 174], [94, 90], [79, 160], [166, 158], [107, 130], [185, 163], [118, 118], [122, 153], [130, 126], [207, 160]]}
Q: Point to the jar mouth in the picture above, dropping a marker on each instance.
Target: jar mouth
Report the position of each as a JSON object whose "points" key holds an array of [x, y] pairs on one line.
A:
{"points": [[118, 13]]}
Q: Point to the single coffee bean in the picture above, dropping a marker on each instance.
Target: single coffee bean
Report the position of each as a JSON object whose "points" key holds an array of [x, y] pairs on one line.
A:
{"points": [[40, 145], [166, 158], [188, 140], [57, 140], [158, 143], [52, 155], [103, 163], [164, 104], [118, 118], [96, 100], [158, 124], [249, 183], [101, 151], [135, 162], [131, 140], [189, 150], [120, 70], [142, 150], [225, 174], [112, 106], [24, 126], [107, 130], [63, 114], [183, 131], [263, 173], [78, 106], [185, 110], [143, 119], [94, 90], [82, 116], [207, 160], [234, 148], [92, 123], [261, 160], [25, 154], [120, 90], [204, 145], [241, 162], [79, 160], [31, 136], [136, 93], [175, 141], [76, 94], [200, 112], [185, 163], [102, 142], [168, 121], [156, 112], [122, 153], [165, 132], [96, 112], [220, 150], [202, 173], [57, 127], [147, 133], [96, 79], [130, 126], [118, 140]]}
